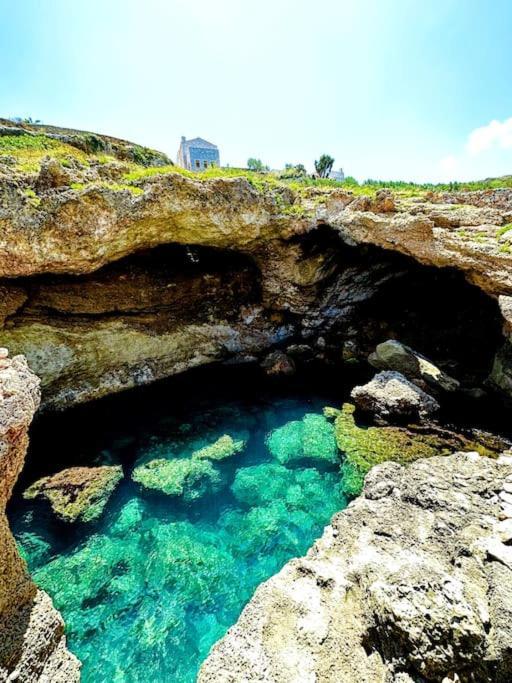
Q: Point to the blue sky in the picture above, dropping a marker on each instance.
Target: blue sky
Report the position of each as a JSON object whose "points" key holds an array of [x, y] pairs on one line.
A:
{"points": [[390, 88]]}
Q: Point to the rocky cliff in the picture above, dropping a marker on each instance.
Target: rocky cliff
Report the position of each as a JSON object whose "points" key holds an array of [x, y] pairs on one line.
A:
{"points": [[32, 645], [412, 582], [108, 285]]}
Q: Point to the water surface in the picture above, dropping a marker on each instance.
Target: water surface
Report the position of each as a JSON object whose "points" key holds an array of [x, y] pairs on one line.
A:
{"points": [[147, 589]]}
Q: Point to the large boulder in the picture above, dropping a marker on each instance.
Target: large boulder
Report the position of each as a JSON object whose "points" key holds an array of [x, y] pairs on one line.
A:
{"points": [[393, 355], [77, 494], [391, 396]]}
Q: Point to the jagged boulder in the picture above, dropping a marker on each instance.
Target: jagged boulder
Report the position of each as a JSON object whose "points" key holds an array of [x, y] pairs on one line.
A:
{"points": [[392, 396], [52, 175], [77, 494], [393, 355]]}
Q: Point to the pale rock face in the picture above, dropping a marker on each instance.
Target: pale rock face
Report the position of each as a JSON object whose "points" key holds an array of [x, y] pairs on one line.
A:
{"points": [[32, 644], [404, 585], [392, 355], [390, 395]]}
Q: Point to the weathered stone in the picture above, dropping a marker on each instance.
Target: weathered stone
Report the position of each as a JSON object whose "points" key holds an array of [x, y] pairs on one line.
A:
{"points": [[77, 494], [396, 584], [32, 643], [392, 355], [390, 395], [278, 363]]}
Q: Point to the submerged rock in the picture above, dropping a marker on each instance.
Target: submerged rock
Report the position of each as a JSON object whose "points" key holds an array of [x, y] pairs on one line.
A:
{"points": [[390, 395], [403, 586], [189, 479], [223, 448], [392, 355], [77, 494], [310, 438]]}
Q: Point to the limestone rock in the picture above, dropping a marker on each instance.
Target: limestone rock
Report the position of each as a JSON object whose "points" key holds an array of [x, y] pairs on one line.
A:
{"points": [[32, 643], [186, 478], [77, 494], [400, 587], [392, 355], [390, 395], [52, 175]]}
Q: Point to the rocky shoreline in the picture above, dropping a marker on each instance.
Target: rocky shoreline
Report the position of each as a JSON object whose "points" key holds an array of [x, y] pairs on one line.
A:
{"points": [[32, 644], [412, 582]]}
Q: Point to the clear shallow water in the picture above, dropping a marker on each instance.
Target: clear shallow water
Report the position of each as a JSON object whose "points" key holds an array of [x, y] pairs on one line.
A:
{"points": [[147, 589]]}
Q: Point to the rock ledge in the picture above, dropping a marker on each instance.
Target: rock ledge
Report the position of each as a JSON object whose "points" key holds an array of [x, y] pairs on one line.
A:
{"points": [[411, 582]]}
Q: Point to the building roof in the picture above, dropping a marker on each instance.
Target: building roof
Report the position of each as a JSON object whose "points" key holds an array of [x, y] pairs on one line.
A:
{"points": [[198, 142]]}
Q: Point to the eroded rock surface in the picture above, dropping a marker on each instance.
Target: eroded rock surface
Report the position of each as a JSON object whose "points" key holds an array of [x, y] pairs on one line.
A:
{"points": [[391, 396], [77, 493], [32, 642], [411, 582]]}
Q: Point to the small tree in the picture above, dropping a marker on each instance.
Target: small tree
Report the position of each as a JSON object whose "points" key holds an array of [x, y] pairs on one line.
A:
{"points": [[324, 165], [256, 165]]}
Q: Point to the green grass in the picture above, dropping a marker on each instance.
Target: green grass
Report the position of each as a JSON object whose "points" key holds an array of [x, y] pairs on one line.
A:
{"points": [[503, 230]]}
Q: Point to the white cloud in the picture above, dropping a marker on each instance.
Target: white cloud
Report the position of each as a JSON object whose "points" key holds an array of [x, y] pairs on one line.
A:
{"points": [[495, 134], [449, 164]]}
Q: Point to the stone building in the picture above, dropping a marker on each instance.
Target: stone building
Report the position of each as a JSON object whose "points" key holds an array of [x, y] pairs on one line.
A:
{"points": [[197, 154]]}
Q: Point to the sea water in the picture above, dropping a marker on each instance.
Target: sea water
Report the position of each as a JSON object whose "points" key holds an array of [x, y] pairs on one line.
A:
{"points": [[148, 588]]}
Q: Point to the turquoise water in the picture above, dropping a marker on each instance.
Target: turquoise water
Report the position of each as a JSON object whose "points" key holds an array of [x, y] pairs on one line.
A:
{"points": [[148, 589]]}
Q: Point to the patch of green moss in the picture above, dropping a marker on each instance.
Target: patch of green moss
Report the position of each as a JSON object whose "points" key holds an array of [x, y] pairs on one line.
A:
{"points": [[223, 448], [186, 478], [503, 230], [366, 446]]}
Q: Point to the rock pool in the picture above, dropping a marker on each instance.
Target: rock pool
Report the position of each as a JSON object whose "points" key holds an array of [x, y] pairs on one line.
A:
{"points": [[148, 587]]}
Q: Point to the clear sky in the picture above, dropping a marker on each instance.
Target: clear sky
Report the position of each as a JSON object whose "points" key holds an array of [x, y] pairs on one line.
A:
{"points": [[396, 89]]}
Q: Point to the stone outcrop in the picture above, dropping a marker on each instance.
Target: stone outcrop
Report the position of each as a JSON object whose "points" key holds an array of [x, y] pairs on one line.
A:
{"points": [[390, 395], [77, 494], [392, 355], [123, 277], [413, 581], [32, 643]]}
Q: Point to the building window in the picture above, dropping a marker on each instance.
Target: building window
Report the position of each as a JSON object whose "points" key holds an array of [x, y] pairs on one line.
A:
{"points": [[205, 164], [198, 163]]}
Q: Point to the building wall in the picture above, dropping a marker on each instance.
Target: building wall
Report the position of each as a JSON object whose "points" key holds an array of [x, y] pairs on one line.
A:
{"points": [[202, 155]]}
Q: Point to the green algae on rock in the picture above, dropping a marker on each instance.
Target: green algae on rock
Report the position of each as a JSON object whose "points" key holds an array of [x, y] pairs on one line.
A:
{"points": [[77, 493], [309, 438], [189, 478], [223, 448], [366, 446]]}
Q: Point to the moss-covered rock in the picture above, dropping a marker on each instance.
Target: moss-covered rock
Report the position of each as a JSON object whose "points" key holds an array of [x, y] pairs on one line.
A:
{"points": [[187, 478], [223, 448], [77, 493], [366, 446], [311, 438]]}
